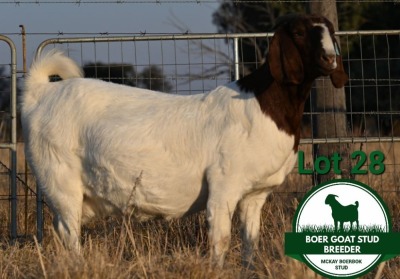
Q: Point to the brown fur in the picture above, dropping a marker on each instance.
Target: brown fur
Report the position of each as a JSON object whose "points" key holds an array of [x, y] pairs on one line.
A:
{"points": [[283, 83]]}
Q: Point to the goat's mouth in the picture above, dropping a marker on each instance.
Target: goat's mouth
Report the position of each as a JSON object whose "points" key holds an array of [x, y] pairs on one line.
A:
{"points": [[325, 69]]}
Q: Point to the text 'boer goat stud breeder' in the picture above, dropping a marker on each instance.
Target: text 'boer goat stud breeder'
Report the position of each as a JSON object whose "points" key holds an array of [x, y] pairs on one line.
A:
{"points": [[88, 141]]}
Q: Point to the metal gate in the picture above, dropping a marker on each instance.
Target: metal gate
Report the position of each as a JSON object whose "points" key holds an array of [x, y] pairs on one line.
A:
{"points": [[190, 64], [9, 139]]}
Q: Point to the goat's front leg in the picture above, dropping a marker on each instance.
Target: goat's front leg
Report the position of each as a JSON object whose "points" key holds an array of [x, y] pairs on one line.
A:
{"points": [[250, 217], [220, 209]]}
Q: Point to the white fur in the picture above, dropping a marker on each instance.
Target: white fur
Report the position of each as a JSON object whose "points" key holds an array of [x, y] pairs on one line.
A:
{"points": [[99, 148], [327, 43]]}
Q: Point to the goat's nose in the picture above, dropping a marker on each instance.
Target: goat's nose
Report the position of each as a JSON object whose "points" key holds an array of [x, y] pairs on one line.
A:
{"points": [[329, 59]]}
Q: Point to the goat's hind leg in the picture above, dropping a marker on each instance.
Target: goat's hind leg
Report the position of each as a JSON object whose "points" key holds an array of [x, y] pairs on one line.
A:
{"points": [[66, 199], [67, 226]]}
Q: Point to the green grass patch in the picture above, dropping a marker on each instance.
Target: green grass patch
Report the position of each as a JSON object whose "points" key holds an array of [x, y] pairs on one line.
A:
{"points": [[330, 229]]}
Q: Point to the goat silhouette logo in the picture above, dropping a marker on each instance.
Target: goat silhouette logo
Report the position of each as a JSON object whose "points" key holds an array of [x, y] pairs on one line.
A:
{"points": [[342, 228], [342, 213]]}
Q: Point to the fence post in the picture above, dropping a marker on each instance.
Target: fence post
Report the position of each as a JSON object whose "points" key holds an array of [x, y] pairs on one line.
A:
{"points": [[13, 163]]}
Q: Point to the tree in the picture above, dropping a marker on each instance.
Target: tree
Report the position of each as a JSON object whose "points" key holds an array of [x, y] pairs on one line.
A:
{"points": [[252, 17], [116, 73], [4, 104], [151, 77], [5, 94], [4, 90], [330, 104]]}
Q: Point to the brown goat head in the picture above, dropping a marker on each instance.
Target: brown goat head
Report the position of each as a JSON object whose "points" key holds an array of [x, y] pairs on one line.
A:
{"points": [[304, 48]]}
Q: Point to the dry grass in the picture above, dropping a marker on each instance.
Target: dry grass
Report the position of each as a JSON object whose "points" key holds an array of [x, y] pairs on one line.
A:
{"points": [[160, 249], [176, 249], [156, 249]]}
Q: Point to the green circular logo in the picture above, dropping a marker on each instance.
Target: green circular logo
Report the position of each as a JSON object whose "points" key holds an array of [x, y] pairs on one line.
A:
{"points": [[342, 228]]}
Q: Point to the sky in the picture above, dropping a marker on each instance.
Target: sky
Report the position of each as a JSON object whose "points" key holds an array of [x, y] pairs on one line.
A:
{"points": [[100, 18]]}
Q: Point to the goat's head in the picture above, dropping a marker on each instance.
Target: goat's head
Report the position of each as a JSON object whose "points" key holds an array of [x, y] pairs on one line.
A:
{"points": [[304, 48], [330, 199]]}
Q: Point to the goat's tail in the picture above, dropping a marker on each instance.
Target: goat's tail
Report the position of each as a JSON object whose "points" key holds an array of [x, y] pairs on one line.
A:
{"points": [[52, 63], [356, 204]]}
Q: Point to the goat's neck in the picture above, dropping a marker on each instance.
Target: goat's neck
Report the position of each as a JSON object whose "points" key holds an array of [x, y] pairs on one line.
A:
{"points": [[284, 103]]}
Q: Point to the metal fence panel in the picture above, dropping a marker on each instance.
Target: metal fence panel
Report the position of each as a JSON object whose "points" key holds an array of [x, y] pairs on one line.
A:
{"points": [[191, 64]]}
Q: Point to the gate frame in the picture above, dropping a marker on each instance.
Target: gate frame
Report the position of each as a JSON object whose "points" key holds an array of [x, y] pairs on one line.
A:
{"points": [[12, 144]]}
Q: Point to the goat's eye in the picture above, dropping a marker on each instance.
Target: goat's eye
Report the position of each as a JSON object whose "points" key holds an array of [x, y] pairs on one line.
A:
{"points": [[298, 34]]}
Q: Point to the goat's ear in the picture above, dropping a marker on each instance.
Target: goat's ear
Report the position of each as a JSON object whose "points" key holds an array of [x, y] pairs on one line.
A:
{"points": [[284, 59], [339, 77]]}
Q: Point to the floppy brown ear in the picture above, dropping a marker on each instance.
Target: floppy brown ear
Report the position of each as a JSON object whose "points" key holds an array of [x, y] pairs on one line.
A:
{"points": [[284, 59], [339, 77]]}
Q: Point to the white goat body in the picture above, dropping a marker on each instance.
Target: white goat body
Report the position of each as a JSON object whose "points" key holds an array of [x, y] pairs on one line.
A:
{"points": [[98, 148], [90, 140]]}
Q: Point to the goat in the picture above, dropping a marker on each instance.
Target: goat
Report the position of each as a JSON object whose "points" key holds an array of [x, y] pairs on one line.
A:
{"points": [[342, 213], [87, 141]]}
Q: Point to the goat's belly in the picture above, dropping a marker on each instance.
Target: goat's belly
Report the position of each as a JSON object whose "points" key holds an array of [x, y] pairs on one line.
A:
{"points": [[279, 176], [173, 203], [146, 193]]}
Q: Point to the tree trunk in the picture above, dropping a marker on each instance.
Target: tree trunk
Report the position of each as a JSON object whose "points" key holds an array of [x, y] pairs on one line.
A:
{"points": [[330, 105]]}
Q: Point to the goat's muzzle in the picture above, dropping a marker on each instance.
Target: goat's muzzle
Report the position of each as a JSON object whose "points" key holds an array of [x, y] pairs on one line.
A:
{"points": [[329, 60], [327, 63]]}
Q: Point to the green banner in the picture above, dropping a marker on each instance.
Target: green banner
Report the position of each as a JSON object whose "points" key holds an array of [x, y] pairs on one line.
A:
{"points": [[314, 243]]}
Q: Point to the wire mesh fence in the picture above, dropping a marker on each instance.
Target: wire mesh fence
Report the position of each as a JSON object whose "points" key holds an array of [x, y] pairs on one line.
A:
{"points": [[192, 64]]}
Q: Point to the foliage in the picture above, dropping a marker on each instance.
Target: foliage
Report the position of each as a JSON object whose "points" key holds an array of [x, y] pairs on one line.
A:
{"points": [[4, 90], [151, 77], [252, 17], [116, 73]]}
